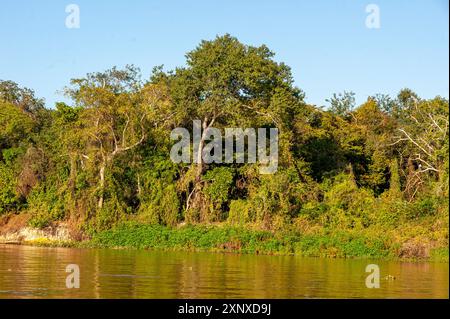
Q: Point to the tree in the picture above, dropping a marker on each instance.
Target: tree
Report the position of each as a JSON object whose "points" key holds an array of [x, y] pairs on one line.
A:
{"points": [[227, 83], [342, 104], [106, 157], [15, 125], [424, 132], [116, 116], [23, 98]]}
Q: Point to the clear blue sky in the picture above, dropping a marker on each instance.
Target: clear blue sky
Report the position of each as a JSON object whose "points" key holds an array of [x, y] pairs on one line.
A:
{"points": [[326, 43]]}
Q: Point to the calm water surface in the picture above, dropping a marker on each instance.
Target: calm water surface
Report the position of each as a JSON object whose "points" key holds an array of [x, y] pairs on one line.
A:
{"points": [[37, 272]]}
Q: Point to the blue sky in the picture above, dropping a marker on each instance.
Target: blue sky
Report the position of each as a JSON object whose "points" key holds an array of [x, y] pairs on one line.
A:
{"points": [[326, 43]]}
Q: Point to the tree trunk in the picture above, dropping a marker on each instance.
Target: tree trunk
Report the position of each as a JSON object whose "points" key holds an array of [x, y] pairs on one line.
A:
{"points": [[200, 159], [205, 127], [139, 190], [102, 185]]}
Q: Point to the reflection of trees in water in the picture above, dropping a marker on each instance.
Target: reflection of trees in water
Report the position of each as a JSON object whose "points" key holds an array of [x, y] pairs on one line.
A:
{"points": [[40, 272]]}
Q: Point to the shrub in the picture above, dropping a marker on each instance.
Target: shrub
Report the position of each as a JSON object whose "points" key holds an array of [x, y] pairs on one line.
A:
{"points": [[239, 212], [46, 205], [160, 206], [218, 183]]}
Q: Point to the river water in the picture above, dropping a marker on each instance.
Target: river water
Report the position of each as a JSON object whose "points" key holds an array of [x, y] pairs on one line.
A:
{"points": [[38, 272]]}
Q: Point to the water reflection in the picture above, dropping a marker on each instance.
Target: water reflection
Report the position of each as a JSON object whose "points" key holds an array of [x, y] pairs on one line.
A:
{"points": [[37, 272]]}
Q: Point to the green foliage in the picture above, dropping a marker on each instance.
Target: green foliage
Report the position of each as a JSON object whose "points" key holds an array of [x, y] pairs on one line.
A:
{"points": [[110, 214], [161, 207], [228, 238], [343, 103], [46, 205], [217, 188], [239, 212], [22, 98], [15, 125], [368, 180], [440, 254], [9, 198], [421, 208], [348, 205]]}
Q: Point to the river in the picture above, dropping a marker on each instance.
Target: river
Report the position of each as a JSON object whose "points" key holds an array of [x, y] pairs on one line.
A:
{"points": [[39, 272]]}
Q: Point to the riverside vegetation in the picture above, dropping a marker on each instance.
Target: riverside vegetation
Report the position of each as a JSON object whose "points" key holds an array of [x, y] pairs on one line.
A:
{"points": [[352, 181]]}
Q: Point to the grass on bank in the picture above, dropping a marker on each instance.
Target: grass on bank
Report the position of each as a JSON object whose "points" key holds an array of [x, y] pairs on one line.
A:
{"points": [[238, 239], [243, 240]]}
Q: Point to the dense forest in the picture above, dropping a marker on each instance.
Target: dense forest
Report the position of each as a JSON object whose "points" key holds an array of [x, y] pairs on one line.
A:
{"points": [[377, 171]]}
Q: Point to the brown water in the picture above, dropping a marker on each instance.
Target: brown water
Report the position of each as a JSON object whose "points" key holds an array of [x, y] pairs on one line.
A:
{"points": [[37, 272]]}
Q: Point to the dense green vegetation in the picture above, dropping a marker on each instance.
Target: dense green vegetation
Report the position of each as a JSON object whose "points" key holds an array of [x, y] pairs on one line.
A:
{"points": [[233, 238], [367, 180]]}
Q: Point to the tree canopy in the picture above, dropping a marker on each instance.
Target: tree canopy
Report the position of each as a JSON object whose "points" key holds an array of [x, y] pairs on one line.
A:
{"points": [[104, 157]]}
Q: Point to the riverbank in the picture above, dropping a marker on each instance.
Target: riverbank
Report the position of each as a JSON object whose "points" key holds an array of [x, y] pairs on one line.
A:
{"points": [[226, 238], [235, 239]]}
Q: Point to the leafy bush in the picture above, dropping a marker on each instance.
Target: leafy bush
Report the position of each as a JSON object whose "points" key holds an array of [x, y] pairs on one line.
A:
{"points": [[239, 212], [46, 205], [161, 206], [218, 183], [241, 239]]}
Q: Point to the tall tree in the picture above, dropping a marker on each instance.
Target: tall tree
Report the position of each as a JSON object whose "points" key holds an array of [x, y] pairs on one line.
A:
{"points": [[227, 83], [116, 116]]}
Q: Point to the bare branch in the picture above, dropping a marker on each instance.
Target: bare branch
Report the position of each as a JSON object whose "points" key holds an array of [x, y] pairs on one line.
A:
{"points": [[429, 166], [434, 122], [124, 129], [414, 142], [122, 149]]}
